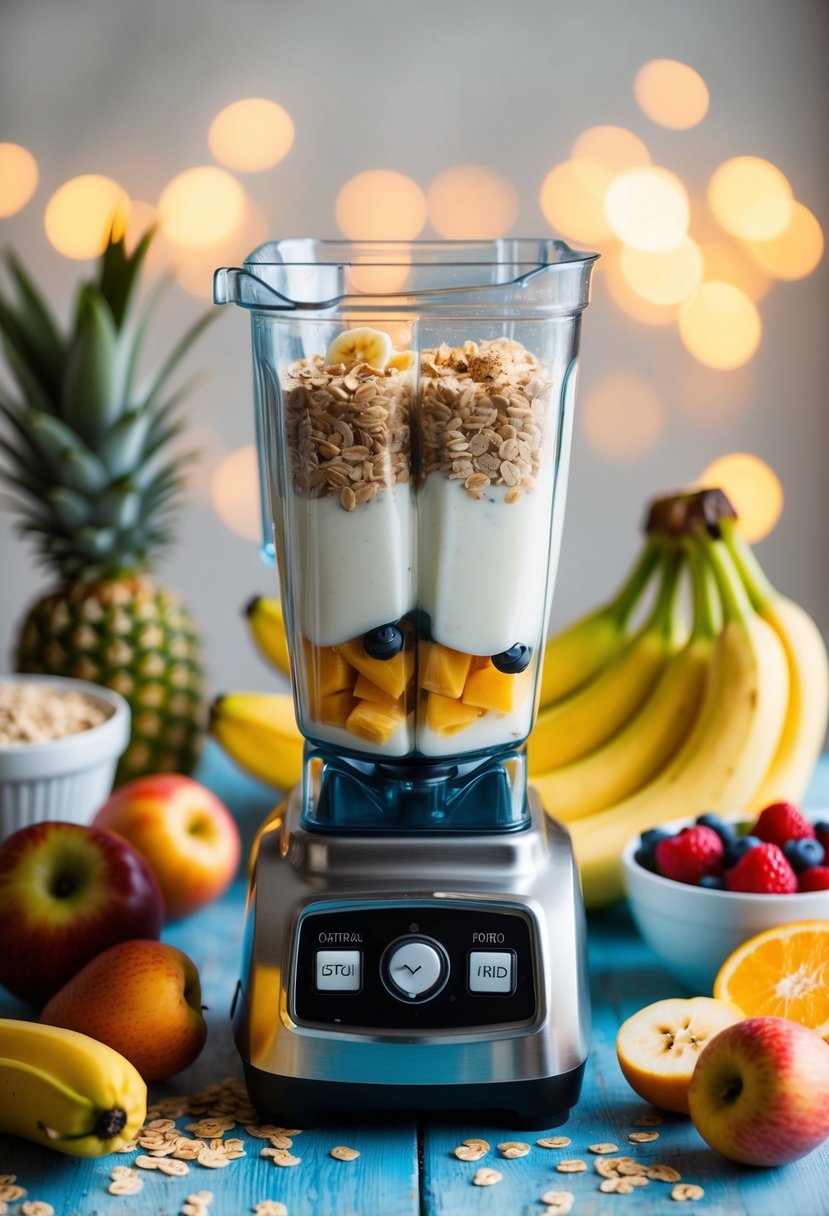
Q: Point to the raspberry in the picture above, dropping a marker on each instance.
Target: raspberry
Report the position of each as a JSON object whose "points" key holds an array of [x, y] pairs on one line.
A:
{"points": [[763, 870], [780, 822], [816, 878], [690, 854]]}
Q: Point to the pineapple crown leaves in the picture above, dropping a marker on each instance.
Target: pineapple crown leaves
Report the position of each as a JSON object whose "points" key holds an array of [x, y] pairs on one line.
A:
{"points": [[86, 452]]}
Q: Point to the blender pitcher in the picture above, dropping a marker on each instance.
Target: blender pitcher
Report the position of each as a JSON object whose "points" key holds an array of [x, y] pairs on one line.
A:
{"points": [[413, 410]]}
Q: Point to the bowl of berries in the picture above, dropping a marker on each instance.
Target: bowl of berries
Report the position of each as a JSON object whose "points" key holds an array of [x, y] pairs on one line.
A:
{"points": [[698, 888]]}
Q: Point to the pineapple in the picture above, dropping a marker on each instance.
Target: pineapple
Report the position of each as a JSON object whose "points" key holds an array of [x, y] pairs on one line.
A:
{"points": [[87, 457]]}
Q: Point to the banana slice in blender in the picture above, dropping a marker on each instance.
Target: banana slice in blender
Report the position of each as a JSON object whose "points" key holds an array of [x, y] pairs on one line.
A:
{"points": [[362, 345]]}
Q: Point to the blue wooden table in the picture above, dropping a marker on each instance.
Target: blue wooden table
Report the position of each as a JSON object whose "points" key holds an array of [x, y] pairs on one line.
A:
{"points": [[406, 1168]]}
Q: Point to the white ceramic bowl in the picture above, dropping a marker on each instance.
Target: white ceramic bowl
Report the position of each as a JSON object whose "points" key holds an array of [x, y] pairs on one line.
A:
{"points": [[692, 929], [66, 778]]}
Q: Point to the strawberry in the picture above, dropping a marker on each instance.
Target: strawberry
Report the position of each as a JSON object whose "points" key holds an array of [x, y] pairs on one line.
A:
{"points": [[763, 870], [782, 821], [690, 854], [816, 878]]}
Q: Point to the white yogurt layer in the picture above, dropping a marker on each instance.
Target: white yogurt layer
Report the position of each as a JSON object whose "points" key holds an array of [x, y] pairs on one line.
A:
{"points": [[353, 570], [490, 731], [401, 742], [483, 565]]}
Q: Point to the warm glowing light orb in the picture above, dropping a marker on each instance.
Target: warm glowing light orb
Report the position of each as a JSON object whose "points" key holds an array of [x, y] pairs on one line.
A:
{"points": [[81, 213], [251, 134], [648, 209], [609, 270], [141, 217], [796, 251], [234, 491], [18, 178], [720, 326], [751, 198], [671, 93], [572, 200], [753, 488], [381, 205], [615, 148], [663, 278], [200, 207], [622, 416], [469, 202], [194, 267], [368, 277], [725, 261]]}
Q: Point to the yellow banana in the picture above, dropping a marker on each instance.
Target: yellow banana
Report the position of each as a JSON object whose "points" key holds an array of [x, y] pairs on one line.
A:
{"points": [[727, 752], [67, 1091], [363, 345], [258, 730], [267, 628], [580, 723], [801, 742], [577, 653]]}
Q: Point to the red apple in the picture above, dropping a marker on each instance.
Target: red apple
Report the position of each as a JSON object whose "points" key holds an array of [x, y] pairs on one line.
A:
{"points": [[185, 832], [142, 998], [760, 1091], [67, 892]]}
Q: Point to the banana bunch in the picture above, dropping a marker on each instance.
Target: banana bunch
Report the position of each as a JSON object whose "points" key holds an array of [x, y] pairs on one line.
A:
{"points": [[728, 717], [67, 1091]]}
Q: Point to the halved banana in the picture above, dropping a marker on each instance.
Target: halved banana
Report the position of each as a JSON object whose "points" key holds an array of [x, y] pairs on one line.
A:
{"points": [[362, 345], [402, 360]]}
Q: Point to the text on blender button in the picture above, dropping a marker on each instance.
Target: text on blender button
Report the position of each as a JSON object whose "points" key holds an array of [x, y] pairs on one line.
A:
{"points": [[330, 938], [338, 970], [487, 939], [490, 971]]}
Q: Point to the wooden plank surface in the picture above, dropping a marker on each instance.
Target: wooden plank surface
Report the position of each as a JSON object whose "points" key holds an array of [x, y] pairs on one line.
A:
{"points": [[385, 1180]]}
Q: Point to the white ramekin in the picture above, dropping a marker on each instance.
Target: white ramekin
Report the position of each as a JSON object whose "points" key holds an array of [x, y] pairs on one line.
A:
{"points": [[66, 778]]}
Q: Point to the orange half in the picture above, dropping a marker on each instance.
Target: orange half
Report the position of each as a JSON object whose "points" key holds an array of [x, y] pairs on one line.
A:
{"points": [[782, 973]]}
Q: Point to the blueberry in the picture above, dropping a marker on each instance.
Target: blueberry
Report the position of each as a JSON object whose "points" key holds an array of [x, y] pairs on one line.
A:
{"points": [[646, 853], [738, 847], [802, 854], [822, 828], [712, 881], [725, 831], [646, 859]]}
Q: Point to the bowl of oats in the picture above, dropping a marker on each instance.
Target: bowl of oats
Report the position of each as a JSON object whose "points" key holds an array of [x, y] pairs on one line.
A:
{"points": [[60, 740]]}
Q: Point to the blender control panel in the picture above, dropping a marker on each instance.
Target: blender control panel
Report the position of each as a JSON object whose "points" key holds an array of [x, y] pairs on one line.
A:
{"points": [[414, 966]]}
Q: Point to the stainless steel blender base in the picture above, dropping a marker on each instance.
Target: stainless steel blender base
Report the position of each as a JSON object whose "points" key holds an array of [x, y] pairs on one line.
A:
{"points": [[420, 972]]}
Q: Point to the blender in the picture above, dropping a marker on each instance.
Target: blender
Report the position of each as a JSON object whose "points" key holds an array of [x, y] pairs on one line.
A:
{"points": [[415, 932]]}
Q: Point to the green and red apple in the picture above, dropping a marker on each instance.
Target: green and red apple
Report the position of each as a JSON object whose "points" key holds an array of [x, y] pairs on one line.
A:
{"points": [[760, 1091], [67, 892], [142, 998], [185, 832]]}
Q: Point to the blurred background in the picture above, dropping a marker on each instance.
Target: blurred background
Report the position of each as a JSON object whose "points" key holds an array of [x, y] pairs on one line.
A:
{"points": [[685, 142]]}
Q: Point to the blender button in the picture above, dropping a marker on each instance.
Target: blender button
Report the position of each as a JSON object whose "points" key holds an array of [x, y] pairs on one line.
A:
{"points": [[491, 971], [338, 970]]}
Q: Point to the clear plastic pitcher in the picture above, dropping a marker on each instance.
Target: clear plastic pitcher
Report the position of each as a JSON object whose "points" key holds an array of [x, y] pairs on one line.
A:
{"points": [[414, 408]]}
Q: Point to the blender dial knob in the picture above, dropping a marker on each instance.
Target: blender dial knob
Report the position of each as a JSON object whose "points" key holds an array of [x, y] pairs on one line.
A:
{"points": [[384, 642], [513, 661]]}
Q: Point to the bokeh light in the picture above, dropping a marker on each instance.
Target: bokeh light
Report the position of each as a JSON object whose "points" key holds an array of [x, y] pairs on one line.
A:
{"points": [[796, 251], [720, 326], [381, 205], [81, 213], [251, 135], [369, 278], [471, 202], [234, 492], [615, 148], [727, 262], [663, 278], [572, 200], [18, 178], [201, 207], [609, 270], [751, 198], [754, 489], [648, 208], [622, 416], [671, 93], [142, 215], [194, 267]]}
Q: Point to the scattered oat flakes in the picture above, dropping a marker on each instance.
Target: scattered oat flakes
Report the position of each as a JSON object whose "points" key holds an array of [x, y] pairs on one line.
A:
{"points": [[212, 1159], [553, 1142], [649, 1120], [7, 1179], [193, 1209], [686, 1190], [643, 1137], [4, 1207], [616, 1186], [281, 1156], [270, 1207], [160, 1125], [36, 1207], [281, 1141], [472, 1150], [122, 1171], [513, 1148], [125, 1186], [558, 1203], [205, 1197], [487, 1177], [10, 1193], [129, 1146], [175, 1169], [630, 1168], [663, 1173], [342, 1153], [603, 1149], [572, 1165], [147, 1163]]}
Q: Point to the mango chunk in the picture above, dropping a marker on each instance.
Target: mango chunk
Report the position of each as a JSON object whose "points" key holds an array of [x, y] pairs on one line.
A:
{"points": [[443, 670], [447, 715], [366, 690], [327, 671], [373, 722], [391, 675], [336, 708], [489, 688]]}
